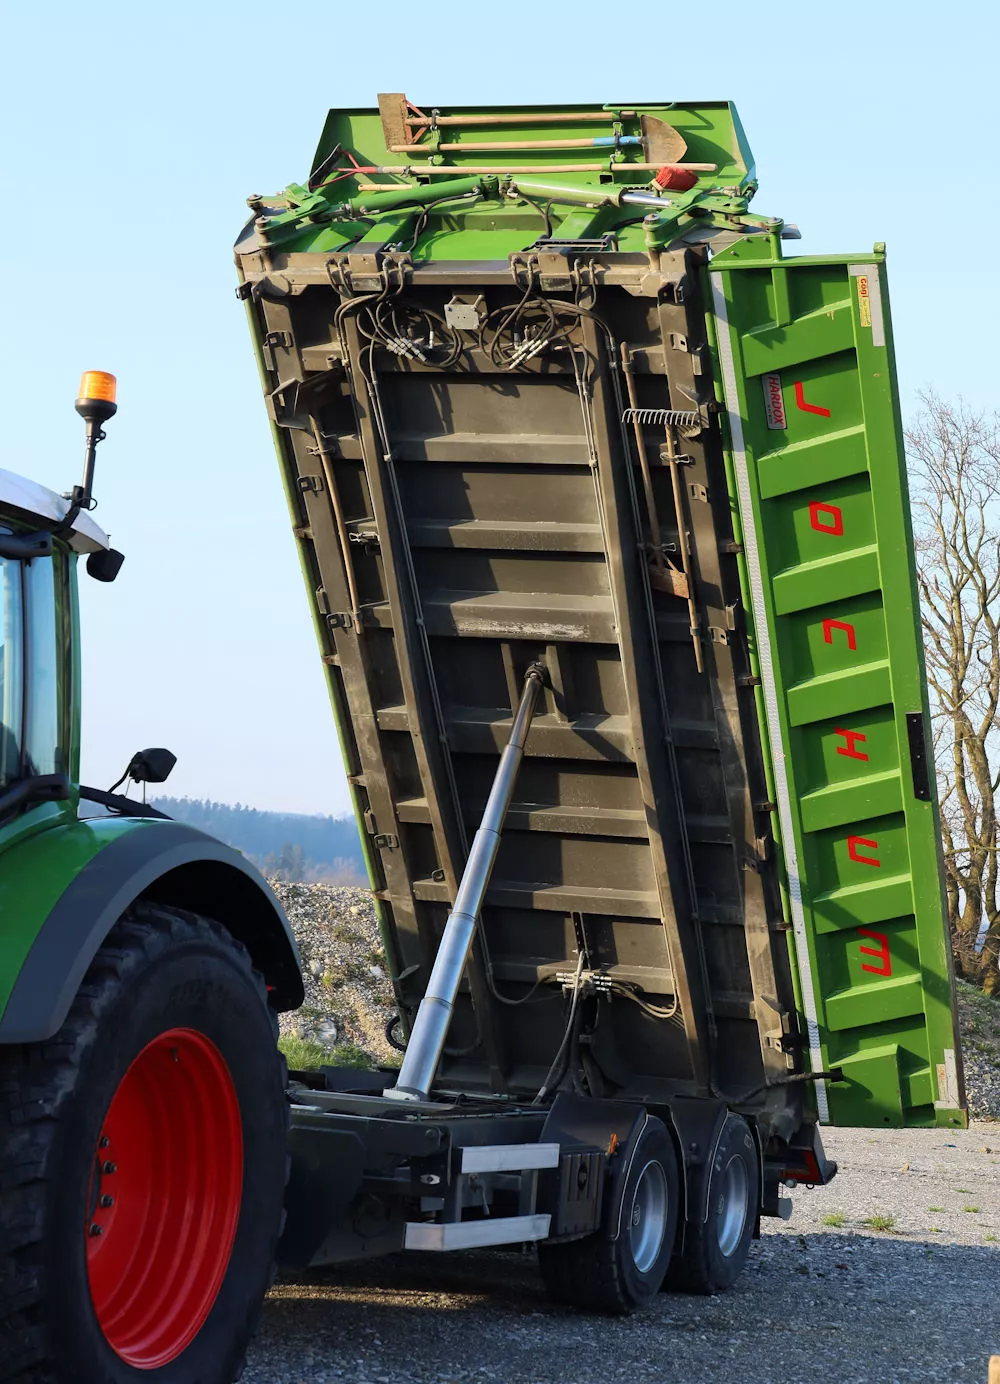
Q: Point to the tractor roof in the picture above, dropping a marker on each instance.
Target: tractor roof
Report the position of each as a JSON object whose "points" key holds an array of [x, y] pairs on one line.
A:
{"points": [[27, 501]]}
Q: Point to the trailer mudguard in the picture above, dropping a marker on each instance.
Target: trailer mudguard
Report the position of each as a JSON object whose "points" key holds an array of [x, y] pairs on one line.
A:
{"points": [[63, 891]]}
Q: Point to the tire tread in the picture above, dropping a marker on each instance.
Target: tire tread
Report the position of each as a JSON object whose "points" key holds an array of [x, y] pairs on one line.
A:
{"points": [[34, 1082]]}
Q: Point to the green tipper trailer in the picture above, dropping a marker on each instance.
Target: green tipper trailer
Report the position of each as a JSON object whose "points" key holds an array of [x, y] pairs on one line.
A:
{"points": [[601, 505], [601, 508]]}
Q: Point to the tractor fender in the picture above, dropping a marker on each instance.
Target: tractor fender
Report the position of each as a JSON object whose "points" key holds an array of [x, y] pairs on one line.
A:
{"points": [[163, 862]]}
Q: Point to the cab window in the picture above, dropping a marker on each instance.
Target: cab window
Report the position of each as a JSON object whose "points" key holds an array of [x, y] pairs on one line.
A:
{"points": [[12, 671], [41, 722]]}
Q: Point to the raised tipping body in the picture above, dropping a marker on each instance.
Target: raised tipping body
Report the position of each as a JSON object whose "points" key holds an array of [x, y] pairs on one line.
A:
{"points": [[512, 411]]}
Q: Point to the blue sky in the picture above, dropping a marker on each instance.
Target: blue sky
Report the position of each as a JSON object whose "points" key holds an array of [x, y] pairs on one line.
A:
{"points": [[133, 135]]}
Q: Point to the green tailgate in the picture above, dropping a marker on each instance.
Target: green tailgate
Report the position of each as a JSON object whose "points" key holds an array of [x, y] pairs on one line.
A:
{"points": [[818, 476]]}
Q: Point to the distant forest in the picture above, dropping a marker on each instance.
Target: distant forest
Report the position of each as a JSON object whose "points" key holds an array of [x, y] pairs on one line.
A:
{"points": [[285, 845]]}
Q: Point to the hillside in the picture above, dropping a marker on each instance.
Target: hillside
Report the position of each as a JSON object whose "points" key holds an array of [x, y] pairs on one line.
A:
{"points": [[286, 845]]}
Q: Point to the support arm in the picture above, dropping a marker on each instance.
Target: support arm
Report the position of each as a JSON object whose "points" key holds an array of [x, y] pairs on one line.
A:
{"points": [[423, 1052]]}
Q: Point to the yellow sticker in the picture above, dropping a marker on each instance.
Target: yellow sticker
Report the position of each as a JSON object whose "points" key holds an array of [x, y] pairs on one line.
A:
{"points": [[864, 302]]}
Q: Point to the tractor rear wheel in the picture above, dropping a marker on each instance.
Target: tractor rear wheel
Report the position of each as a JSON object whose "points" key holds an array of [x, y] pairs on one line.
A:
{"points": [[143, 1165]]}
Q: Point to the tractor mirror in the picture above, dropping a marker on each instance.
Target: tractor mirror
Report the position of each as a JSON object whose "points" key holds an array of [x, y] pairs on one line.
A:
{"points": [[151, 766], [105, 565]]}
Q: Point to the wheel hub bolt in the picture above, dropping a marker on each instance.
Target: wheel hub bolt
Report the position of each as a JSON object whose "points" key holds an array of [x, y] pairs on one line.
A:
{"points": [[96, 1229], [109, 1168], [107, 1201]]}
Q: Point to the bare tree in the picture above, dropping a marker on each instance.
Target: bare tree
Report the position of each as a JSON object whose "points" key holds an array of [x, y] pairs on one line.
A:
{"points": [[954, 457]]}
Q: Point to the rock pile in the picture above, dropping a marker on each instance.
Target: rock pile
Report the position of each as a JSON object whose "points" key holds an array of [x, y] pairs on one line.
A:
{"points": [[348, 992]]}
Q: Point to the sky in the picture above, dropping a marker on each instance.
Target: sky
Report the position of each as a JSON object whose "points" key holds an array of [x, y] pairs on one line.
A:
{"points": [[133, 135]]}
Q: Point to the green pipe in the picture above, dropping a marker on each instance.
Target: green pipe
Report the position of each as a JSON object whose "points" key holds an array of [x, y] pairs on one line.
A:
{"points": [[387, 199]]}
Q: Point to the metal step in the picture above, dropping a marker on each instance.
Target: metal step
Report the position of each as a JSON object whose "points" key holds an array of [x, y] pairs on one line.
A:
{"points": [[495, 1230]]}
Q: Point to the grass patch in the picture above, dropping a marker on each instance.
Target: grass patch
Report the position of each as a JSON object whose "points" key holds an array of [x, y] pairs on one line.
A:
{"points": [[972, 1210], [935, 1208], [964, 1191], [833, 1218], [881, 1222], [991, 1238], [934, 1230], [350, 1055], [303, 1056]]}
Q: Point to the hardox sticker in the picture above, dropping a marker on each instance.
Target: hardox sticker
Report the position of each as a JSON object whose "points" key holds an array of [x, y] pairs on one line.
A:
{"points": [[774, 404]]}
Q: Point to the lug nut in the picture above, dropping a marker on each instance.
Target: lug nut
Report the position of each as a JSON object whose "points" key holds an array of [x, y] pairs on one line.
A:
{"points": [[107, 1201], [109, 1167], [96, 1229]]}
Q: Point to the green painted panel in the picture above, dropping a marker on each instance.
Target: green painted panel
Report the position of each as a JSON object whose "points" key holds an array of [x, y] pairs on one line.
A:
{"points": [[833, 694], [898, 998], [810, 583], [874, 901], [40, 856], [838, 804], [829, 458], [814, 334], [807, 374]]}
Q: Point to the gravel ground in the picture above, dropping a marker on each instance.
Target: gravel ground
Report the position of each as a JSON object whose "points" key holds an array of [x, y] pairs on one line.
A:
{"points": [[842, 1303], [826, 1295]]}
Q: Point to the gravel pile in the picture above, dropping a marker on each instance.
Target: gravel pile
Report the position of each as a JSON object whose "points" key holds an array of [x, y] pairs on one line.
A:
{"points": [[979, 1019], [348, 993], [349, 997]]}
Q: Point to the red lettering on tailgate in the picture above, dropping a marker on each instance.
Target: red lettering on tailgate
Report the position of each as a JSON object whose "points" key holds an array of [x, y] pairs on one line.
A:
{"points": [[881, 952], [830, 625], [853, 842], [800, 400], [834, 523], [853, 738]]}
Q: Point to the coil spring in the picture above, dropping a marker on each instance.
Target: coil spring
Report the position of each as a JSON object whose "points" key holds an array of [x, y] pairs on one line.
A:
{"points": [[676, 418]]}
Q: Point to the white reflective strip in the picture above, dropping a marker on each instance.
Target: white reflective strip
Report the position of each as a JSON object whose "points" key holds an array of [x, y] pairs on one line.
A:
{"points": [[509, 1158], [870, 271], [494, 1230], [763, 637]]}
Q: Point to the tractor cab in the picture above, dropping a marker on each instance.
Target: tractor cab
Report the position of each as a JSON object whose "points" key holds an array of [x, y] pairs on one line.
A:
{"points": [[42, 534]]}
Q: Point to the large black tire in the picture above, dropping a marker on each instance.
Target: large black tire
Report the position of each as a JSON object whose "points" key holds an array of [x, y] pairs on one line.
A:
{"points": [[618, 1270], [176, 992], [715, 1252]]}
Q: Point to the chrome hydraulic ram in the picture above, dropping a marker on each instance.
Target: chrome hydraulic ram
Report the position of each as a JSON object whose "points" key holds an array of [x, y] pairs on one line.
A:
{"points": [[430, 1028]]}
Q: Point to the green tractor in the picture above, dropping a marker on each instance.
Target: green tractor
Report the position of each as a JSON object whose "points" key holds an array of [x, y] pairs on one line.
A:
{"points": [[143, 1117]]}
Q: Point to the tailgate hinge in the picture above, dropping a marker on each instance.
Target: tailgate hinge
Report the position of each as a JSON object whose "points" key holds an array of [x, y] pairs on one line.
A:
{"points": [[384, 840]]}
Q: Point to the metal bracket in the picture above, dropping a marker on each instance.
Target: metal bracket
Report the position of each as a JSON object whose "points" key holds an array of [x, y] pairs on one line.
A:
{"points": [[697, 491], [272, 340], [344, 620], [366, 538], [385, 841], [311, 483]]}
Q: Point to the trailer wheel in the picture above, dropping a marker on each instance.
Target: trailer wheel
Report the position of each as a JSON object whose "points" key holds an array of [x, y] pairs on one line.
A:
{"points": [[622, 1266], [143, 1165], [715, 1252]]}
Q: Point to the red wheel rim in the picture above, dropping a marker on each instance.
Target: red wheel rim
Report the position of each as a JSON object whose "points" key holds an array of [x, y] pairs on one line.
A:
{"points": [[164, 1198]]}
